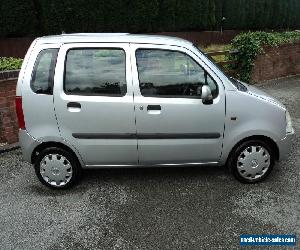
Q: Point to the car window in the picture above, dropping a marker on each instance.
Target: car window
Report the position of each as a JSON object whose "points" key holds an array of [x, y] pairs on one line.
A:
{"points": [[166, 73], [43, 72], [95, 71]]}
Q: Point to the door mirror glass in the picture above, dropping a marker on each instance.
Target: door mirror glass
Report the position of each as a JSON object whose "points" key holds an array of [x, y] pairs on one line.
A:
{"points": [[206, 95]]}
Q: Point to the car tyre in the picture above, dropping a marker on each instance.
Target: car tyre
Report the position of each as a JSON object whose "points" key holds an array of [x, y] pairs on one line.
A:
{"points": [[57, 168], [252, 161]]}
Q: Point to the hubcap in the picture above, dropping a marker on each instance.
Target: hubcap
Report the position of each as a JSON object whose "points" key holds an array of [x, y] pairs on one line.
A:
{"points": [[56, 170], [253, 162]]}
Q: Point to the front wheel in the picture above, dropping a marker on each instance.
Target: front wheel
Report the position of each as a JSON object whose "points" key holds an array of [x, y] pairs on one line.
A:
{"points": [[57, 168], [252, 161]]}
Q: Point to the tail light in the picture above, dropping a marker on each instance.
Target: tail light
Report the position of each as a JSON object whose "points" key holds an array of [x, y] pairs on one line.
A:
{"points": [[19, 110]]}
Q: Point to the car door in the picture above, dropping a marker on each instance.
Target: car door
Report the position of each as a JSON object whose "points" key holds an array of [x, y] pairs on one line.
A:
{"points": [[173, 125], [93, 99]]}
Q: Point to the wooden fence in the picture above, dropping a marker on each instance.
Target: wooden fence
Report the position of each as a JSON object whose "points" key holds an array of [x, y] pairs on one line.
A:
{"points": [[17, 47], [225, 63]]}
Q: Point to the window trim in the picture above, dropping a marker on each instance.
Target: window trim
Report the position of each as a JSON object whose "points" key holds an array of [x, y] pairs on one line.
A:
{"points": [[51, 70], [93, 48], [173, 96]]}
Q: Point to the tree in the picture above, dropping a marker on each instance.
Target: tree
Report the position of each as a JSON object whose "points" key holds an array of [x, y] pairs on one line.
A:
{"points": [[17, 18], [141, 15], [166, 17], [211, 14]]}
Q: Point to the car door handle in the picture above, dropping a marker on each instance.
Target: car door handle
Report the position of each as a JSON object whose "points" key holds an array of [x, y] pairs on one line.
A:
{"points": [[73, 105], [153, 107]]}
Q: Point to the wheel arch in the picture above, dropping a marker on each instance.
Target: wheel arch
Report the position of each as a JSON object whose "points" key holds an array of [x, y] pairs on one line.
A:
{"points": [[45, 145], [263, 138]]}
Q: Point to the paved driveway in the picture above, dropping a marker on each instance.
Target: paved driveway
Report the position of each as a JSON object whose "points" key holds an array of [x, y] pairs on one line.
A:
{"points": [[162, 208]]}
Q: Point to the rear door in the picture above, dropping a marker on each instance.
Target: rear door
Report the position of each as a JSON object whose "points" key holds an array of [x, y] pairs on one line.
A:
{"points": [[93, 100], [174, 126]]}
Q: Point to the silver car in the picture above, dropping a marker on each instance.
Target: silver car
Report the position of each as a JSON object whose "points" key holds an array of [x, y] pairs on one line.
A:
{"points": [[121, 100]]}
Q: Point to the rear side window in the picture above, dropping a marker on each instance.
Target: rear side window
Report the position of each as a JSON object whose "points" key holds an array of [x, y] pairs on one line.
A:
{"points": [[43, 72], [95, 71]]}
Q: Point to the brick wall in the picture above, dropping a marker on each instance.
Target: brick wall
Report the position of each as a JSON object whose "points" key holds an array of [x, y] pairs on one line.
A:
{"points": [[8, 118], [277, 62]]}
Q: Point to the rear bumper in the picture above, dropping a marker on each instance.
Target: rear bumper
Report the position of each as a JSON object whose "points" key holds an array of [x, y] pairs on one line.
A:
{"points": [[284, 145], [27, 144]]}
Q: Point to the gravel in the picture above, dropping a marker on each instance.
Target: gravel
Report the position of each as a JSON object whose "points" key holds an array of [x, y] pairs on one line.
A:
{"points": [[151, 208]]}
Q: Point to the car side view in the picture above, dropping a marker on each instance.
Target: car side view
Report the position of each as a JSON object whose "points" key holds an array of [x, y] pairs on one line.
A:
{"points": [[122, 100]]}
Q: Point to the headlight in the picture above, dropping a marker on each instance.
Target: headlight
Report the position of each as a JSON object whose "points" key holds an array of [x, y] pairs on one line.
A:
{"points": [[289, 125]]}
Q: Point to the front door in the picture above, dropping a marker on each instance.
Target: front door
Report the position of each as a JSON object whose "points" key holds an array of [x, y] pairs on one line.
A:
{"points": [[93, 100], [173, 124]]}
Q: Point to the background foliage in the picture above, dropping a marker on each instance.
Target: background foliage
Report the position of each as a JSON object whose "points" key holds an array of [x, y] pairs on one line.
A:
{"points": [[251, 44], [39, 17], [9, 63]]}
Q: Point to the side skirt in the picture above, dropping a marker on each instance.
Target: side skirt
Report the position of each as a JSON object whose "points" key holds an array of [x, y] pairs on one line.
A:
{"points": [[153, 165]]}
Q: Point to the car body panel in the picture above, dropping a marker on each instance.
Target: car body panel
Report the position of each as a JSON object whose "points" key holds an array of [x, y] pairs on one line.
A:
{"points": [[248, 115], [39, 111], [99, 115], [235, 114], [175, 131]]}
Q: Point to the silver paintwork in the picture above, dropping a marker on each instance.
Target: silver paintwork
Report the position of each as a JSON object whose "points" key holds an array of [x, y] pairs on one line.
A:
{"points": [[48, 119], [284, 146], [28, 144], [178, 115], [253, 162], [39, 109], [98, 114], [255, 116], [56, 170], [154, 165]]}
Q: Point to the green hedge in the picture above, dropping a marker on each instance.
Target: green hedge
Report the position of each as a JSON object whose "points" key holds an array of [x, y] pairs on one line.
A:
{"points": [[10, 63], [38, 17], [251, 44]]}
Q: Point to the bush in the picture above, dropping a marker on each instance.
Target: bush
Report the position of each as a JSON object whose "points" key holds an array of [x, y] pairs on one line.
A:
{"points": [[10, 63], [251, 44]]}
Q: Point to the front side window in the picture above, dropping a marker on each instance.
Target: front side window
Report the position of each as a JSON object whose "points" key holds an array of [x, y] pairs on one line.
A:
{"points": [[166, 73], [95, 71], [43, 72]]}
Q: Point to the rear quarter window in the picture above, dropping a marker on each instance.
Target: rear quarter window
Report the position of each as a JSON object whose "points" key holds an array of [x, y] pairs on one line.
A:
{"points": [[43, 72]]}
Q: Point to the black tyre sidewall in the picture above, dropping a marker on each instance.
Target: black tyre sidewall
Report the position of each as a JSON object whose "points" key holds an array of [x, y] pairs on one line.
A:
{"points": [[232, 163], [70, 157]]}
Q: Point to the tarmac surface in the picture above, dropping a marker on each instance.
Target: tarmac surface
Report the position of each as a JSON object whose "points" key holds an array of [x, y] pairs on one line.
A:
{"points": [[152, 208]]}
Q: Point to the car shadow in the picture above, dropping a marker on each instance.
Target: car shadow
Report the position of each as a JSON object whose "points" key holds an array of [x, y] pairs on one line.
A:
{"points": [[155, 173], [94, 178]]}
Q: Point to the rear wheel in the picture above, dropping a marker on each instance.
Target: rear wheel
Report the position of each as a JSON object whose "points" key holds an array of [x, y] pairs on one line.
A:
{"points": [[57, 168], [252, 161]]}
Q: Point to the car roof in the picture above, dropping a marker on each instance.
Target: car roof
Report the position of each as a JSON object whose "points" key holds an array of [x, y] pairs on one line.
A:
{"points": [[113, 38]]}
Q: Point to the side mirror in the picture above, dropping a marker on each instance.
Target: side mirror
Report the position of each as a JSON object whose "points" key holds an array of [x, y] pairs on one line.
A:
{"points": [[206, 95]]}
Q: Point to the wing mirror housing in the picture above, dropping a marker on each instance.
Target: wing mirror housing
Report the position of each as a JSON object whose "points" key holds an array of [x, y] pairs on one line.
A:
{"points": [[206, 95]]}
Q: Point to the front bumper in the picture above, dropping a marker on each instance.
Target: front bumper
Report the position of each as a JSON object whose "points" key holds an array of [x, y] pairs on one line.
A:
{"points": [[284, 145], [27, 144]]}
